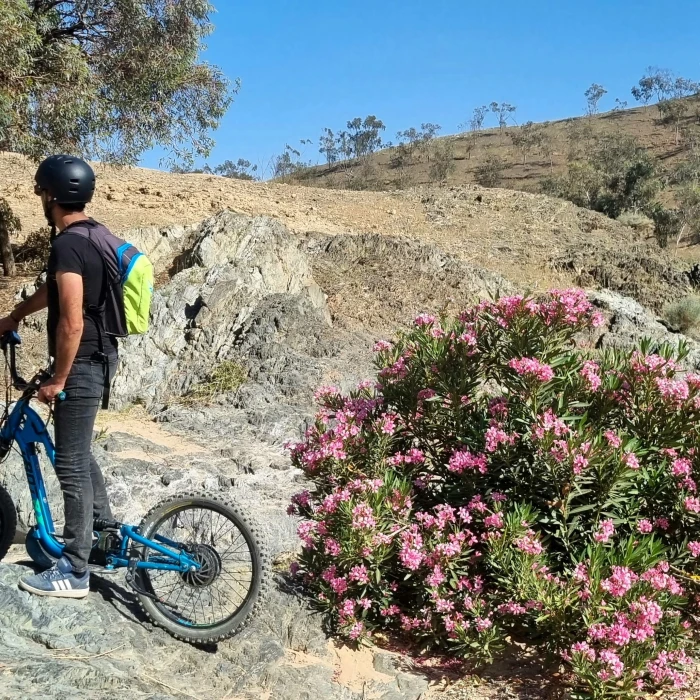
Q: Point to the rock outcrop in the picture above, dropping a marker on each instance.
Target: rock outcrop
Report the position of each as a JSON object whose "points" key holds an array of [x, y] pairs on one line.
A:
{"points": [[233, 264]]}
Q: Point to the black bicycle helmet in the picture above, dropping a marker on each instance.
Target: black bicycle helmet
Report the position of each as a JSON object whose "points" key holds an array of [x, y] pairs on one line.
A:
{"points": [[70, 180]]}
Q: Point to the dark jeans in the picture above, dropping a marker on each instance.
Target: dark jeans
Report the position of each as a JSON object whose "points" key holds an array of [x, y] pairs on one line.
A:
{"points": [[82, 483]]}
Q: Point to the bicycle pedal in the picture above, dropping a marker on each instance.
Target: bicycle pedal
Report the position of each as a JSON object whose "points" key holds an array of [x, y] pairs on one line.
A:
{"points": [[102, 570]]}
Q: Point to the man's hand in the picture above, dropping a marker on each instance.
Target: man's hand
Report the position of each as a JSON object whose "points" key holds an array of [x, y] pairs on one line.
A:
{"points": [[50, 389], [8, 324]]}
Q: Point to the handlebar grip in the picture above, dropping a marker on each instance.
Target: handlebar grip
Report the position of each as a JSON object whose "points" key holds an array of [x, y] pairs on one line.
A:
{"points": [[10, 338], [61, 396]]}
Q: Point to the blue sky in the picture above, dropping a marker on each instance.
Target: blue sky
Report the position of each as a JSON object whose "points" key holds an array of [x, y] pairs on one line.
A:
{"points": [[307, 64]]}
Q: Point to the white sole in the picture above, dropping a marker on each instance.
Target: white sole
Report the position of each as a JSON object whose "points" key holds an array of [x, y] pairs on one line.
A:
{"points": [[73, 593]]}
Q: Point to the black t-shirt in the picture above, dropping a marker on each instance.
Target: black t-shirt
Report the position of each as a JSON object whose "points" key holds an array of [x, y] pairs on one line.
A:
{"points": [[71, 252]]}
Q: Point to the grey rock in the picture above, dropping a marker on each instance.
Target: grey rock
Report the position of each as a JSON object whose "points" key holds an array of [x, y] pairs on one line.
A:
{"points": [[235, 263], [628, 323], [102, 648]]}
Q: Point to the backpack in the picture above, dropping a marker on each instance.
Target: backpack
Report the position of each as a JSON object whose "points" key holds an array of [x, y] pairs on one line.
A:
{"points": [[129, 281]]}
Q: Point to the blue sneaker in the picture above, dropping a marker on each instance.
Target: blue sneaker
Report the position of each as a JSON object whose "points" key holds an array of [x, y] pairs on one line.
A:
{"points": [[59, 581]]}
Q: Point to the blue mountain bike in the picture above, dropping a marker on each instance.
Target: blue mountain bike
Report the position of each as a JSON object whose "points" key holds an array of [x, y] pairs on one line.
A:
{"points": [[198, 563]]}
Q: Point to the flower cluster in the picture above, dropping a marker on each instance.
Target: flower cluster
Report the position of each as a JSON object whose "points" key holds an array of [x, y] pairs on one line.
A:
{"points": [[494, 479]]}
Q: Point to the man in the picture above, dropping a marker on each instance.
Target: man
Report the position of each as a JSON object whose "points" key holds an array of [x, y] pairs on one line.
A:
{"points": [[84, 361]]}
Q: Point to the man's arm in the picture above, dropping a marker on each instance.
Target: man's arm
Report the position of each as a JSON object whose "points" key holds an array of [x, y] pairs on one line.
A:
{"points": [[36, 302], [68, 332]]}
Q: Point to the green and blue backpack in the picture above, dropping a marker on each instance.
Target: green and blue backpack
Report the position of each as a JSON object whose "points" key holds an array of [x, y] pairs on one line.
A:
{"points": [[129, 281]]}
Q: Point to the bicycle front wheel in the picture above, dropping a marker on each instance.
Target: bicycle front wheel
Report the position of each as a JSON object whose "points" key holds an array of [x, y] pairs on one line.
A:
{"points": [[227, 591]]}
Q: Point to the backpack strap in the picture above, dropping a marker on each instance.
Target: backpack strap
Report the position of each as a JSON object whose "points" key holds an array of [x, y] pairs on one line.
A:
{"points": [[96, 313]]}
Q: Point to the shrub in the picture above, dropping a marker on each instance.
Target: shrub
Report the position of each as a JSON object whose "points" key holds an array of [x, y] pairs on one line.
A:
{"points": [[443, 163], [639, 222], [226, 377], [490, 172], [497, 482], [684, 315], [33, 252]]}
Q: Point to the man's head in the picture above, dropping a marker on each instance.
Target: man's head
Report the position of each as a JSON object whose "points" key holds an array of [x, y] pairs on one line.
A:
{"points": [[65, 184]]}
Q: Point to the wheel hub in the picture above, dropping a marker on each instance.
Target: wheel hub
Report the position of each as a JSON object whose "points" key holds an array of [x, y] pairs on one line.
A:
{"points": [[209, 566]]}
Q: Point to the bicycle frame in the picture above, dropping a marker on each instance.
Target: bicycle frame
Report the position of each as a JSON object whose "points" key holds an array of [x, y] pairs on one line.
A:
{"points": [[27, 429]]}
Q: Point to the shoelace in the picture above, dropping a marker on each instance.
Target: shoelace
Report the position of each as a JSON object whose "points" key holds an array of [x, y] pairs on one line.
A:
{"points": [[52, 573]]}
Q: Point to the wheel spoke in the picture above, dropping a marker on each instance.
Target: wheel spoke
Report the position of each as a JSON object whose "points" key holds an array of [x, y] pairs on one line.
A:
{"points": [[216, 592]]}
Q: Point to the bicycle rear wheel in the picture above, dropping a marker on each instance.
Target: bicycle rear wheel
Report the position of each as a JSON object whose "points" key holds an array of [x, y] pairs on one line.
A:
{"points": [[8, 521], [218, 600]]}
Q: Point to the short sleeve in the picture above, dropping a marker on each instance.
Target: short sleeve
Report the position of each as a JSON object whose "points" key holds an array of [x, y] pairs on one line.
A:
{"points": [[67, 255]]}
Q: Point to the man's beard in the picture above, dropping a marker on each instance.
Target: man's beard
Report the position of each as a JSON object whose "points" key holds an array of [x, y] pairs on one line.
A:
{"points": [[47, 212]]}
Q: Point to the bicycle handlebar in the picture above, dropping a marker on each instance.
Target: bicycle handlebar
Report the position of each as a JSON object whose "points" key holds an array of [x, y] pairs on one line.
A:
{"points": [[11, 340]]}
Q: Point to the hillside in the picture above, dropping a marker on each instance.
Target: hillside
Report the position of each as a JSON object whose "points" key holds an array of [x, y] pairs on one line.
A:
{"points": [[642, 123], [532, 240]]}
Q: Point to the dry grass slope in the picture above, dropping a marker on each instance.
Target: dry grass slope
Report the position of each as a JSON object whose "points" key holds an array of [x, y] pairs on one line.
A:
{"points": [[641, 122], [532, 240]]}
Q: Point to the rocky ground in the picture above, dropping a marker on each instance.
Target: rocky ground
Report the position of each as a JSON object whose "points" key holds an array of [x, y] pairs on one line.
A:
{"points": [[295, 310]]}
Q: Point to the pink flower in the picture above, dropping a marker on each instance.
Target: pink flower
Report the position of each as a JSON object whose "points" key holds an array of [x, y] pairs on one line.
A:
{"points": [[659, 579], [359, 574], [579, 464], [620, 582], [424, 320], [511, 608], [528, 544], [585, 649], [326, 392], [630, 460], [494, 521], [482, 623], [498, 407], [305, 531], [619, 634], [424, 394], [581, 573], [347, 608], [363, 517], [356, 630], [613, 439], [547, 423], [332, 547], [590, 372], [661, 523], [681, 467], [436, 577], [673, 390], [694, 548], [444, 606], [651, 364], [692, 504], [532, 368], [612, 661], [388, 424], [605, 531], [339, 585], [644, 526], [495, 436], [463, 460], [390, 611], [382, 345]]}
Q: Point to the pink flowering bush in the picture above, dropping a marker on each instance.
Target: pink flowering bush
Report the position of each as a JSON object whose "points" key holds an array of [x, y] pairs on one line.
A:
{"points": [[497, 482]]}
